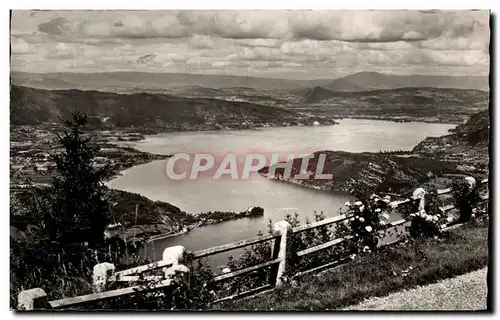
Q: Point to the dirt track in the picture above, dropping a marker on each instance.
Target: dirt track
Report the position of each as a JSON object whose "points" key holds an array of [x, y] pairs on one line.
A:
{"points": [[465, 292]]}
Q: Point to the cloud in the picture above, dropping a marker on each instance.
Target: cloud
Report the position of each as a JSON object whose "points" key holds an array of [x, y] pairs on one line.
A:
{"points": [[259, 42], [202, 42], [304, 43], [58, 26], [20, 46], [63, 51], [350, 26]]}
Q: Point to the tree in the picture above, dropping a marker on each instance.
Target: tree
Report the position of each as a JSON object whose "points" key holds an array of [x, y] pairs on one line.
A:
{"points": [[77, 210], [61, 228]]}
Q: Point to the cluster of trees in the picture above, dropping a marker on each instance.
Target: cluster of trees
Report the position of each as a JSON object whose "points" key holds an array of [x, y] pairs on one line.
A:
{"points": [[57, 234]]}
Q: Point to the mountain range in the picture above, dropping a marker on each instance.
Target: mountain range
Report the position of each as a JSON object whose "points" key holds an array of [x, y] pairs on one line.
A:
{"points": [[365, 81], [207, 102], [144, 110], [119, 81]]}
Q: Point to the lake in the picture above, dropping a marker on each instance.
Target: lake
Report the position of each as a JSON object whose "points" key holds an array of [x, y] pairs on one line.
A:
{"points": [[277, 198]]}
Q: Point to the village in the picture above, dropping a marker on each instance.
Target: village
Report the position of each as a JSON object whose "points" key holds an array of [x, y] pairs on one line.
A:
{"points": [[31, 148]]}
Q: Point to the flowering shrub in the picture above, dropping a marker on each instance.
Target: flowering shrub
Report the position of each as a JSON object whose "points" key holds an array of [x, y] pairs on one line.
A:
{"points": [[367, 222], [480, 214], [428, 221]]}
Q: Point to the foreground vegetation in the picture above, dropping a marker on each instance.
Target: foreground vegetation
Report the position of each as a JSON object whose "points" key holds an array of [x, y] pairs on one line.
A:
{"points": [[377, 274]]}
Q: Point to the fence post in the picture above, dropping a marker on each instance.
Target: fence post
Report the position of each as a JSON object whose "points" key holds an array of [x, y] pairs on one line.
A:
{"points": [[280, 251], [102, 272], [472, 183], [30, 299], [419, 193], [174, 255], [467, 202]]}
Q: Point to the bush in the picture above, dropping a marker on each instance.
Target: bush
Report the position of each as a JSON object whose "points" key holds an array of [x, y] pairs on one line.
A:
{"points": [[426, 223], [366, 224], [307, 239], [253, 255], [466, 197]]}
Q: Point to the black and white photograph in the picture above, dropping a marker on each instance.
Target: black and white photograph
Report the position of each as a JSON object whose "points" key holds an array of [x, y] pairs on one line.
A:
{"points": [[250, 160]]}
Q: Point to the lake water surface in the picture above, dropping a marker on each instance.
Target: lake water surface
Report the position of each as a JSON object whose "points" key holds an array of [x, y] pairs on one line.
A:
{"points": [[277, 198]]}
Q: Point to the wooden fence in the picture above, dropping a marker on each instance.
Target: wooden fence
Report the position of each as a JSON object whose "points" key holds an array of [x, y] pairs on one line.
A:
{"points": [[104, 273]]}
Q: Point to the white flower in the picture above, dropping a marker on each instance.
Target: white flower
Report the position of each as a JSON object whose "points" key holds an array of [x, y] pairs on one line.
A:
{"points": [[353, 256], [473, 216], [387, 198], [352, 219], [348, 203], [373, 196], [366, 248], [428, 218], [369, 228], [393, 205], [362, 219], [361, 208], [358, 203], [385, 216], [378, 210]]}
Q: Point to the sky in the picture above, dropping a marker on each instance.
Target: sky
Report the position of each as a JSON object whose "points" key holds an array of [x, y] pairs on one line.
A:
{"points": [[279, 44]]}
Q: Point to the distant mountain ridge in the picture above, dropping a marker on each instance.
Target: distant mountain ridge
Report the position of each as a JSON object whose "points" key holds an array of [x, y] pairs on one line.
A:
{"points": [[361, 81], [365, 81], [109, 81], [143, 110], [413, 95]]}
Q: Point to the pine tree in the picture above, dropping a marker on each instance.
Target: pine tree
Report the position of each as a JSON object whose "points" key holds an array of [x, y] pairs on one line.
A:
{"points": [[77, 209]]}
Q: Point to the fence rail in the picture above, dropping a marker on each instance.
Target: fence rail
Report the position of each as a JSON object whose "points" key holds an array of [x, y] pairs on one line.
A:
{"points": [[172, 257], [232, 246]]}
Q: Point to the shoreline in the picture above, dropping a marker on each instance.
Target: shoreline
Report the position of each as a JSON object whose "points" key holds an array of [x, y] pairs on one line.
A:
{"points": [[151, 132], [165, 236], [228, 216]]}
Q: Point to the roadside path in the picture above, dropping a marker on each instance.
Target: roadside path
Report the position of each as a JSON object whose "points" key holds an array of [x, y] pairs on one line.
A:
{"points": [[465, 292]]}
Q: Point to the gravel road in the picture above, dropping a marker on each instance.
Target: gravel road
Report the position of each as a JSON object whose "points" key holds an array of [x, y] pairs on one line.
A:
{"points": [[465, 292]]}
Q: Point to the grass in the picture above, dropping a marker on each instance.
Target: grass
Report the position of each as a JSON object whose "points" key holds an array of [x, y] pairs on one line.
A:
{"points": [[402, 267]]}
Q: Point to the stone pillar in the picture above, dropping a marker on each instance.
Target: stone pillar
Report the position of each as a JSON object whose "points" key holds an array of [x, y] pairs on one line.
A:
{"points": [[472, 183], [419, 193], [174, 255], [102, 273], [29, 299], [281, 249]]}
